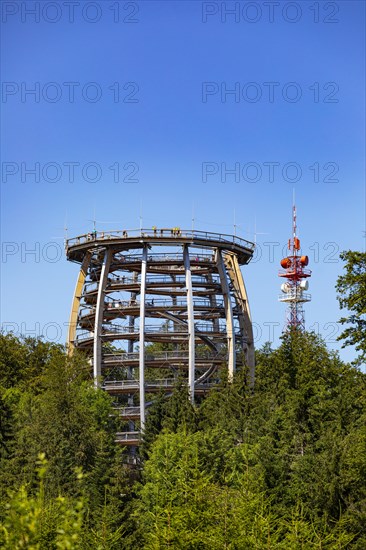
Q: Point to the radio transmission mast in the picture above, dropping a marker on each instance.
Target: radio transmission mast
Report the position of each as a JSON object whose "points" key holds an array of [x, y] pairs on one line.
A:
{"points": [[294, 289]]}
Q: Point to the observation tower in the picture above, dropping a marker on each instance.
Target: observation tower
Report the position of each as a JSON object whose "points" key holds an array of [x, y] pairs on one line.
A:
{"points": [[296, 275], [153, 306]]}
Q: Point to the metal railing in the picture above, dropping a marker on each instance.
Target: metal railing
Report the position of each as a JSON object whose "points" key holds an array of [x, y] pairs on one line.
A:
{"points": [[112, 330], [118, 280], [84, 335], [178, 257], [161, 329], [154, 384], [120, 383], [164, 356], [171, 233], [90, 287], [127, 412], [127, 436], [164, 329], [161, 302]]}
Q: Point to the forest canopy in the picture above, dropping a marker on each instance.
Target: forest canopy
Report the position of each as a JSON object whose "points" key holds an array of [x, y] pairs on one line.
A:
{"points": [[283, 467]]}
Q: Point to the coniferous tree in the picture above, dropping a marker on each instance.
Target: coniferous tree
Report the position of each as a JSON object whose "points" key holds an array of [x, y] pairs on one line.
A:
{"points": [[352, 296]]}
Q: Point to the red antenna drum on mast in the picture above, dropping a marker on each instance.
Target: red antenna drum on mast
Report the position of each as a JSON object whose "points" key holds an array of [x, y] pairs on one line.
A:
{"points": [[294, 289]]}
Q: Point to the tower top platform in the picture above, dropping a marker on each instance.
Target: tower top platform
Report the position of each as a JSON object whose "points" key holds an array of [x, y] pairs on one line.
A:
{"points": [[126, 239]]}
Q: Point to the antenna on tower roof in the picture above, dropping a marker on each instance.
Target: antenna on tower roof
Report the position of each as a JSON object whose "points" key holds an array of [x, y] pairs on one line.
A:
{"points": [[294, 218], [65, 230], [140, 217]]}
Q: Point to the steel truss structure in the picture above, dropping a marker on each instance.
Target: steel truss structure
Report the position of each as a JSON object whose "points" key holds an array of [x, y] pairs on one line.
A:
{"points": [[296, 275], [152, 306]]}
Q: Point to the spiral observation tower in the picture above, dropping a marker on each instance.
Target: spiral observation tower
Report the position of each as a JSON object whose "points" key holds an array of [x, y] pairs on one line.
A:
{"points": [[152, 306]]}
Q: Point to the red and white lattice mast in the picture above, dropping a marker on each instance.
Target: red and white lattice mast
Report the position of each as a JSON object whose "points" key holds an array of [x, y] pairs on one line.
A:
{"points": [[296, 285]]}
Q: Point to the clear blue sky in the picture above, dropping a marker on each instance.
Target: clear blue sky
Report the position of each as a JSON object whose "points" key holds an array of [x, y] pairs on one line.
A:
{"points": [[295, 121]]}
